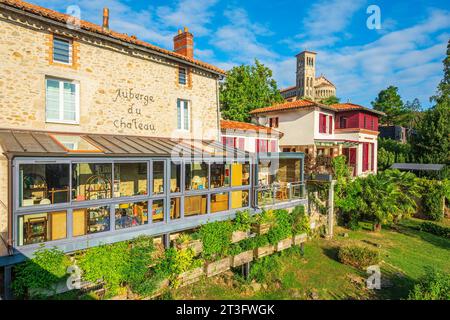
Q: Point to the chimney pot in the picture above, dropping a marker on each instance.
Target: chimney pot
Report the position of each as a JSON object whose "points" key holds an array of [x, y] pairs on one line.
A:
{"points": [[106, 18]]}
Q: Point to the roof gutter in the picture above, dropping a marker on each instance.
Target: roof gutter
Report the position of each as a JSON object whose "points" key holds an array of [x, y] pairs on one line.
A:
{"points": [[110, 39]]}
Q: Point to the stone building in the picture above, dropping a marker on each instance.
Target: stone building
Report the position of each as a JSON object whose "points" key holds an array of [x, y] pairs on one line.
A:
{"points": [[307, 84]]}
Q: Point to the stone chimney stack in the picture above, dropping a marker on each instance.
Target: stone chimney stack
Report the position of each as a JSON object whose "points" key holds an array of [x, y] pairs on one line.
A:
{"points": [[183, 43], [105, 18]]}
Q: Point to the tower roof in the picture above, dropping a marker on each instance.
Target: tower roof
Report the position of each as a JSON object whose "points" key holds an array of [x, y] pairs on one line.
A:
{"points": [[306, 51]]}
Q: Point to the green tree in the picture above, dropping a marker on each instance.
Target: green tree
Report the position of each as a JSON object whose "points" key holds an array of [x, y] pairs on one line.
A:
{"points": [[413, 113], [245, 88], [432, 142], [389, 102], [330, 100]]}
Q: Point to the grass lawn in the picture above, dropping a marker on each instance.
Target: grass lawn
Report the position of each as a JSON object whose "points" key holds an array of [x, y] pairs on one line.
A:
{"points": [[404, 252]]}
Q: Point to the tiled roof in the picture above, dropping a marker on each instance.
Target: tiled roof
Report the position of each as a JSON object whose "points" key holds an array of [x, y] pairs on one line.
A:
{"points": [[352, 106], [303, 103], [91, 27], [237, 125], [288, 89]]}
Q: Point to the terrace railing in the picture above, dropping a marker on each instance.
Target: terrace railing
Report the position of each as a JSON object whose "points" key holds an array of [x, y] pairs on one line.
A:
{"points": [[267, 195]]}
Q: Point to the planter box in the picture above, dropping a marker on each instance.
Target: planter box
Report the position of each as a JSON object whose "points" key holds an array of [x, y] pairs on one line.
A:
{"points": [[283, 244], [241, 258], [264, 251], [163, 285], [299, 238], [190, 276], [261, 228], [213, 268], [238, 236], [195, 245]]}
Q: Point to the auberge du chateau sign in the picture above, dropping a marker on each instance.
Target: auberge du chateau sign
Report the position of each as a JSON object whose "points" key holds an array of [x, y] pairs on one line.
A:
{"points": [[133, 121]]}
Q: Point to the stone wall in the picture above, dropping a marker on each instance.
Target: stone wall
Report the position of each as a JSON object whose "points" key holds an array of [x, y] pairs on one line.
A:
{"points": [[105, 73]]}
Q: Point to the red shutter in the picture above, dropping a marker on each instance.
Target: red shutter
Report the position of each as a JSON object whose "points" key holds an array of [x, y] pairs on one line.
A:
{"points": [[242, 143], [331, 124], [322, 123], [273, 146], [365, 156], [224, 140], [372, 146]]}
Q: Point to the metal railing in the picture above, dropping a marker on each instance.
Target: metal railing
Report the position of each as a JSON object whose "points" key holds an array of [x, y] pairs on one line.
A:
{"points": [[273, 194]]}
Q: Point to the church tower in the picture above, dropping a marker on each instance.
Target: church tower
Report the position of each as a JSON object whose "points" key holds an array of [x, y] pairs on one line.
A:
{"points": [[306, 74]]}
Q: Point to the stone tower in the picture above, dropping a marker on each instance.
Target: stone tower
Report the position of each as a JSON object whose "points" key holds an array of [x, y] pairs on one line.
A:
{"points": [[306, 74]]}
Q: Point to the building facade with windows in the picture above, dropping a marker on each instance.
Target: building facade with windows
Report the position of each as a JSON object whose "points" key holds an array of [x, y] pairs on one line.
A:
{"points": [[250, 137], [104, 137], [323, 132]]}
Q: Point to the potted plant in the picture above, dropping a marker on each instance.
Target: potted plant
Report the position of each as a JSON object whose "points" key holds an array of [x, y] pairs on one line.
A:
{"points": [[241, 253], [186, 240], [241, 226], [263, 247], [263, 222], [300, 225]]}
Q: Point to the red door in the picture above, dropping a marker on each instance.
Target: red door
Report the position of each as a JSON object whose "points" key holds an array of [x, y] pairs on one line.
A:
{"points": [[365, 156]]}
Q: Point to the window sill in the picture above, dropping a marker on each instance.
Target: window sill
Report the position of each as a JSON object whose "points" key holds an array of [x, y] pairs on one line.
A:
{"points": [[63, 122]]}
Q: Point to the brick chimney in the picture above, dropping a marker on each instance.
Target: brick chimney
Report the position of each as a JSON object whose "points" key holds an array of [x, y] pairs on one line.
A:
{"points": [[105, 19], [183, 43]]}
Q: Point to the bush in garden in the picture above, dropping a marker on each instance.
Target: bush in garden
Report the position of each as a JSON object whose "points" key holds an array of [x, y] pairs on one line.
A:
{"points": [[107, 263], [358, 256], [43, 271], [435, 229], [433, 194], [300, 221], [434, 285], [260, 269], [216, 238]]}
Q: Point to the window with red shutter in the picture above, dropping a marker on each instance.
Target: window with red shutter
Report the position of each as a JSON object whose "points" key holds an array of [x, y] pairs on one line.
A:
{"points": [[331, 125], [322, 123]]}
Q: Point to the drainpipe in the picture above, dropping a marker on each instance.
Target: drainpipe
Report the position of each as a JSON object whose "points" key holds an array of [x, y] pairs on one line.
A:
{"points": [[10, 206]]}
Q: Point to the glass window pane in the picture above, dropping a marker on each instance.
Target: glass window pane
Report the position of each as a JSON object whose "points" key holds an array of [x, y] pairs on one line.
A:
{"points": [[158, 177], [90, 220], [131, 215], [52, 99], [61, 50], [175, 177], [220, 175], [175, 208], [196, 176], [195, 205], [43, 184], [69, 101], [179, 114], [186, 115], [91, 181], [239, 199], [42, 227], [130, 179], [240, 174], [158, 210], [219, 202]]}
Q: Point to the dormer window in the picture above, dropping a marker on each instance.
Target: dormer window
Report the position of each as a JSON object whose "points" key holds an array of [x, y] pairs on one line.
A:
{"points": [[62, 50], [182, 76]]}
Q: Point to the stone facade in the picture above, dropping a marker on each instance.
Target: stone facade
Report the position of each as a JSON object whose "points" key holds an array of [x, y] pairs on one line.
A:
{"points": [[106, 72]]}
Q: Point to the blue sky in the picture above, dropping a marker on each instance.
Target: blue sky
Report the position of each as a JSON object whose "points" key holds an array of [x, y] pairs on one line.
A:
{"points": [[407, 51]]}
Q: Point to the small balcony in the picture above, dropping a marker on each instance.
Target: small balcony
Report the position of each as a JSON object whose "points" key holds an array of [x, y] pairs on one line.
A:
{"points": [[277, 193]]}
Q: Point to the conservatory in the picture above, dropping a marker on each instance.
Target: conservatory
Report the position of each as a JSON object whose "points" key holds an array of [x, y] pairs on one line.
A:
{"points": [[78, 191]]}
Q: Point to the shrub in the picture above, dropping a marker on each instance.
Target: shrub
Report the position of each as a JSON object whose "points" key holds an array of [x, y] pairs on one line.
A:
{"points": [[43, 271], [242, 222], [358, 256], [433, 193], [434, 285], [262, 268], [435, 229], [108, 263], [282, 228], [216, 238], [300, 221]]}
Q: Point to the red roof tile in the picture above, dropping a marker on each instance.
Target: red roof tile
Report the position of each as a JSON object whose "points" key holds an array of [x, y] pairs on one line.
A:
{"points": [[237, 125], [61, 17], [286, 106]]}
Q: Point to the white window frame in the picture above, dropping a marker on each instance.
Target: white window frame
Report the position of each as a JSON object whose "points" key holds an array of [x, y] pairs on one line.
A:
{"points": [[182, 128], [61, 101], [70, 50], [185, 76]]}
